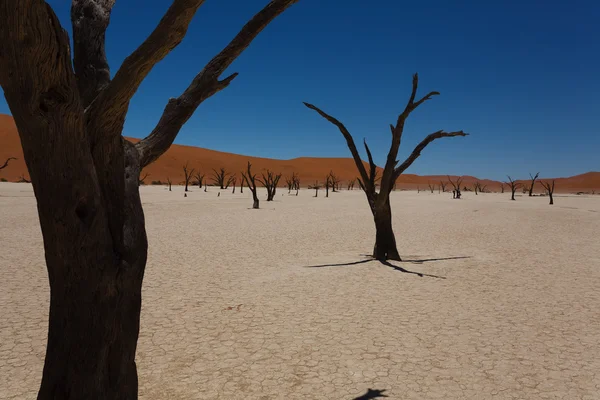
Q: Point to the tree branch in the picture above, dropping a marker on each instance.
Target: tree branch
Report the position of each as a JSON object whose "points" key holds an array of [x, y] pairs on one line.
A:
{"points": [[349, 140], [372, 166], [419, 148], [6, 162], [89, 19], [205, 84]]}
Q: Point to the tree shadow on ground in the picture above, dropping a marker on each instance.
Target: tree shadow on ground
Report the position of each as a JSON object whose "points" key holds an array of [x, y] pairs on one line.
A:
{"points": [[394, 267], [371, 394]]}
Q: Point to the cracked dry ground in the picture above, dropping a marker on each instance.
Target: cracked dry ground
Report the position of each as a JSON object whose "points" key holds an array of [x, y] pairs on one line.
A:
{"points": [[231, 309]]}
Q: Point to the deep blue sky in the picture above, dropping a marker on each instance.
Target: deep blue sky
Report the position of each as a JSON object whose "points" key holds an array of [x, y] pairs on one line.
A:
{"points": [[522, 76]]}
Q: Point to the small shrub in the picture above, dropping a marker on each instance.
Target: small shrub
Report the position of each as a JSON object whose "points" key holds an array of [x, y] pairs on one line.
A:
{"points": [[157, 183], [3, 180]]}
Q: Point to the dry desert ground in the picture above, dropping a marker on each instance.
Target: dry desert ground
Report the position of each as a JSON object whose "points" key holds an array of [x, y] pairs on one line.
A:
{"points": [[496, 299]]}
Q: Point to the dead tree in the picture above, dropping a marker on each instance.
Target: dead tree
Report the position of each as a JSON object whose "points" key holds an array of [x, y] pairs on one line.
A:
{"points": [[199, 179], [222, 178], [533, 179], [270, 181], [233, 182], [290, 182], [549, 186], [501, 187], [296, 184], [142, 179], [187, 174], [443, 186], [334, 181], [169, 183], [456, 185], [6, 162], [86, 188], [351, 184], [316, 186], [431, 187], [242, 182], [514, 185], [379, 202], [250, 179], [329, 183]]}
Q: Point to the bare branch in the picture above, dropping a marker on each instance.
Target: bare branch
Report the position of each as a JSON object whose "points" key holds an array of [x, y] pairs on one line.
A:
{"points": [[372, 166], [89, 19], [411, 105], [205, 84], [349, 140], [419, 148], [6, 162]]}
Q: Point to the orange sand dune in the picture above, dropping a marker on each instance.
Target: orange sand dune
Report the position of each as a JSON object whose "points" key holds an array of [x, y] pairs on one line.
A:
{"points": [[309, 169]]}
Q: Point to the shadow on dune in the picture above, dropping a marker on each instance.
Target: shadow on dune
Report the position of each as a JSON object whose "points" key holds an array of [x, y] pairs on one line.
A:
{"points": [[371, 394], [394, 267]]}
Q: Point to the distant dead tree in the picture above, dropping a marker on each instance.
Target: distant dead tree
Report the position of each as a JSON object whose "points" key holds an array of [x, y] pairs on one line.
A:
{"points": [[270, 181], [296, 184], [549, 186], [169, 183], [351, 184], [379, 202], [431, 187], [250, 179], [6, 162], [501, 187], [478, 187], [334, 182], [187, 174], [330, 182], [290, 181], [514, 185], [22, 179], [233, 182], [222, 178], [242, 182], [418, 189], [142, 179], [199, 179], [316, 186], [443, 186], [533, 179], [456, 185]]}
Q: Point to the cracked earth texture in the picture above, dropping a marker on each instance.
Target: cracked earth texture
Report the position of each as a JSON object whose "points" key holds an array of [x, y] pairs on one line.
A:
{"points": [[250, 304]]}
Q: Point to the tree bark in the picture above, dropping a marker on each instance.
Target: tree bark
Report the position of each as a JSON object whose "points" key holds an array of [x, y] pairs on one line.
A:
{"points": [[385, 240]]}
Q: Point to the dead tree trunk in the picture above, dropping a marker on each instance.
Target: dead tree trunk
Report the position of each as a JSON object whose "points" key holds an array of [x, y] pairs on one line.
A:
{"points": [[86, 188], [549, 186], [233, 182], [443, 186], [242, 182], [501, 187], [270, 182], [222, 178], [431, 187], [351, 184], [513, 187], [296, 184], [316, 186], [169, 183], [533, 179], [456, 185], [385, 241], [187, 173], [250, 179], [199, 179]]}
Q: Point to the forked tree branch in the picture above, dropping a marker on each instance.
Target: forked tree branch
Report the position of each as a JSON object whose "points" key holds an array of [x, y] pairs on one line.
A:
{"points": [[89, 19], [419, 148], [364, 177], [106, 114], [205, 84]]}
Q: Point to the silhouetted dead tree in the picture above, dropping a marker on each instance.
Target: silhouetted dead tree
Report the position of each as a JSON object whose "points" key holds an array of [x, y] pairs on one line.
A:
{"points": [[334, 181], [65, 97], [296, 184], [169, 183], [290, 181], [514, 185], [199, 179], [233, 182], [379, 202], [142, 179], [330, 182], [250, 179], [222, 178], [443, 186], [501, 187], [270, 181], [456, 185], [242, 182], [316, 186], [351, 184], [187, 174], [22, 179], [549, 186], [431, 187], [6, 162], [533, 179]]}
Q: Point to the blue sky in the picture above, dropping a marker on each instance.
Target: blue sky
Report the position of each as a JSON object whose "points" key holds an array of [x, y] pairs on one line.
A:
{"points": [[520, 76]]}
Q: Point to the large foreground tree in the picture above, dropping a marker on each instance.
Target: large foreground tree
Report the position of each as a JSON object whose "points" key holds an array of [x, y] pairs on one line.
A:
{"points": [[70, 116], [379, 202]]}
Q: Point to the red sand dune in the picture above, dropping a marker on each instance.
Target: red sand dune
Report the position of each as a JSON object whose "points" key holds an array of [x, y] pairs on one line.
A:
{"points": [[309, 169]]}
